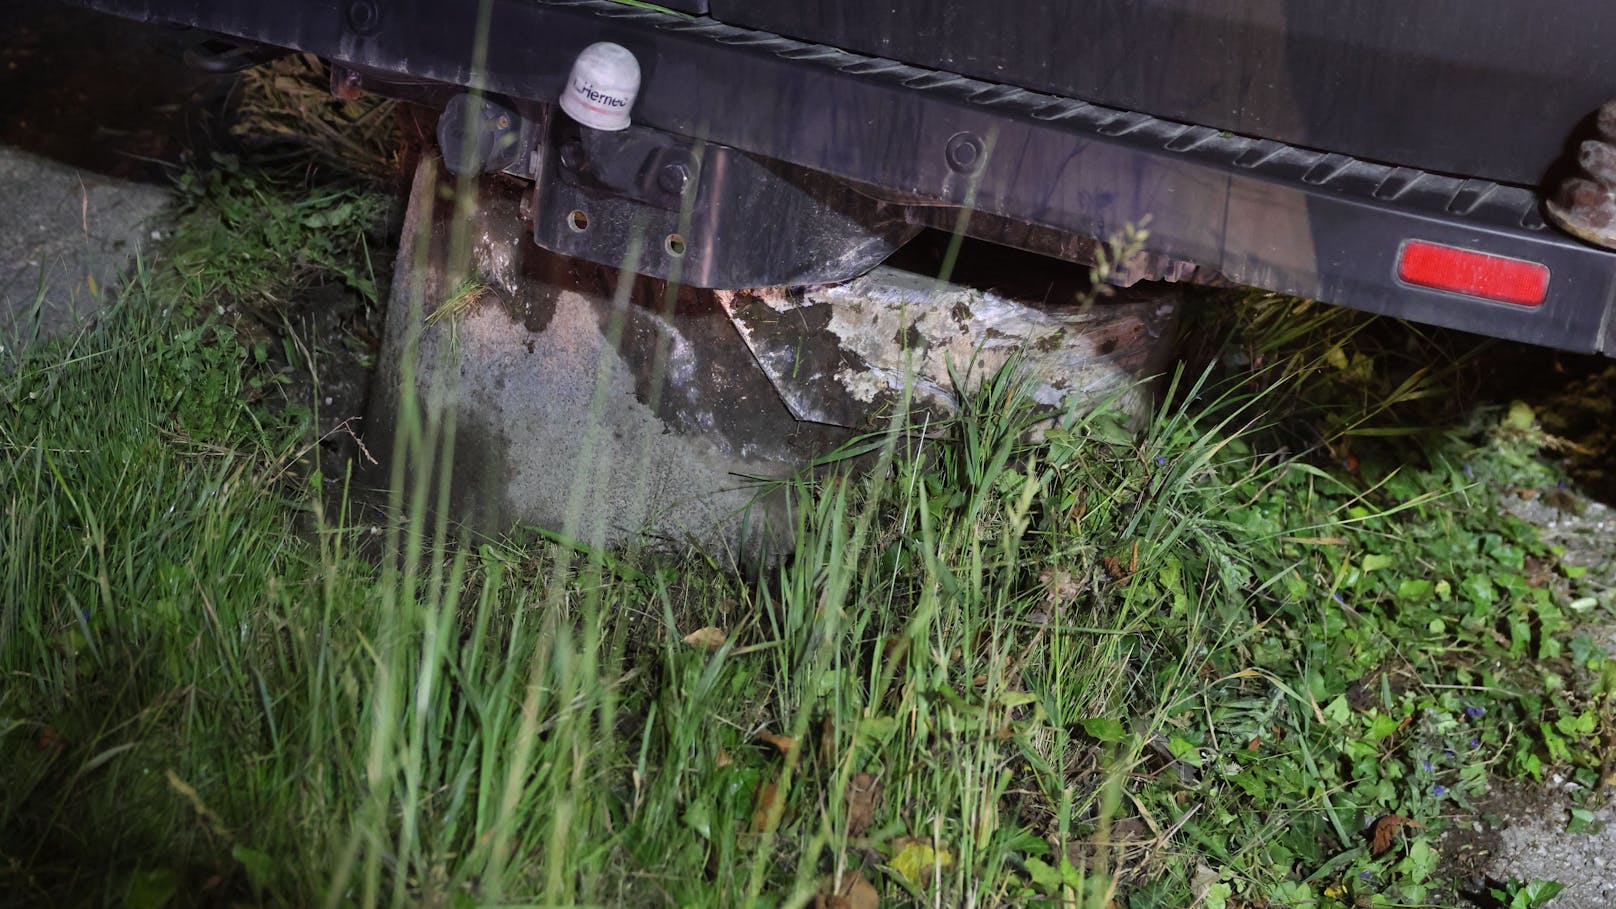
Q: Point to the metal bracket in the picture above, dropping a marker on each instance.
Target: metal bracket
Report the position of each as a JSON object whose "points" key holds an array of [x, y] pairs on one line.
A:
{"points": [[481, 135], [220, 55], [645, 165], [703, 214]]}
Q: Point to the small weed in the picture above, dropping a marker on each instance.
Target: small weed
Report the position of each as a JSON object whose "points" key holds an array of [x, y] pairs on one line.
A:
{"points": [[463, 300], [1524, 895], [250, 235]]}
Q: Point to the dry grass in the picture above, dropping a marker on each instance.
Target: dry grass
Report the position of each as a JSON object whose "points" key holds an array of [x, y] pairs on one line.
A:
{"points": [[289, 102]]}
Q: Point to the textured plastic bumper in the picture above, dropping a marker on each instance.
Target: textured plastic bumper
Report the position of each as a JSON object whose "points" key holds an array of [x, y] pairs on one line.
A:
{"points": [[1298, 221]]}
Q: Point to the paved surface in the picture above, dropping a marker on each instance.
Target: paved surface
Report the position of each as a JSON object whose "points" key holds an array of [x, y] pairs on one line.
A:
{"points": [[1534, 845], [1532, 842], [95, 113], [66, 235]]}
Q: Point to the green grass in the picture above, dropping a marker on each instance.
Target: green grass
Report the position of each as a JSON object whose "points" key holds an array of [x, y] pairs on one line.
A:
{"points": [[1097, 668]]}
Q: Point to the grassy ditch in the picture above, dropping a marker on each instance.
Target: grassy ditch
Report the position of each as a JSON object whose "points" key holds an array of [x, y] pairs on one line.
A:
{"points": [[1256, 655]]}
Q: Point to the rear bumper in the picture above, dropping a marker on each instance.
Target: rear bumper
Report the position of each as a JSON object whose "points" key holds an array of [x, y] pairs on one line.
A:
{"points": [[1303, 222]]}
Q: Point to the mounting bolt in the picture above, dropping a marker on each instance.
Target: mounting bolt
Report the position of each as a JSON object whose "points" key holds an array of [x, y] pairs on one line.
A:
{"points": [[572, 154], [674, 178], [965, 152], [346, 84], [478, 135], [364, 17]]}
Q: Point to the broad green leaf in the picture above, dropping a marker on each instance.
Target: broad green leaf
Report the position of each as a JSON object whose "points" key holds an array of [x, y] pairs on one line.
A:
{"points": [[259, 866], [916, 860], [1105, 729], [1338, 711], [1376, 561], [153, 888]]}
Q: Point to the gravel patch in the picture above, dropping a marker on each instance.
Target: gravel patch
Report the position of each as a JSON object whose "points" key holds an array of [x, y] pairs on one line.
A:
{"points": [[1528, 836], [1534, 845]]}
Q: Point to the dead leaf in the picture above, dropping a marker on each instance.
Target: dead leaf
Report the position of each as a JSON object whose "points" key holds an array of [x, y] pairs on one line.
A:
{"points": [[1060, 588], [1118, 572], [50, 740], [1126, 830], [1564, 501], [1384, 831], [1202, 882], [1080, 508], [1537, 571], [723, 759], [863, 793], [827, 741], [785, 743], [1087, 855], [770, 802], [710, 638], [855, 893]]}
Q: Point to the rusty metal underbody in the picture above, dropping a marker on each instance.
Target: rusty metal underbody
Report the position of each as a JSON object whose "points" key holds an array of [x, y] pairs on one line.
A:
{"points": [[616, 410], [847, 354]]}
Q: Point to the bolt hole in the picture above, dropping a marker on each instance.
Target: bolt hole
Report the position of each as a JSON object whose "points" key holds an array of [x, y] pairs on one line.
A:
{"points": [[675, 245], [578, 221], [363, 17]]}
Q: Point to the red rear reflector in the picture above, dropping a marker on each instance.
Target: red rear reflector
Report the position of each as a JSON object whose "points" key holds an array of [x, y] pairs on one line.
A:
{"points": [[1473, 274]]}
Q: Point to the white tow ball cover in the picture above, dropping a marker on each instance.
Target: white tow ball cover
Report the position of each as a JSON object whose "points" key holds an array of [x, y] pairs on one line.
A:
{"points": [[604, 82]]}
